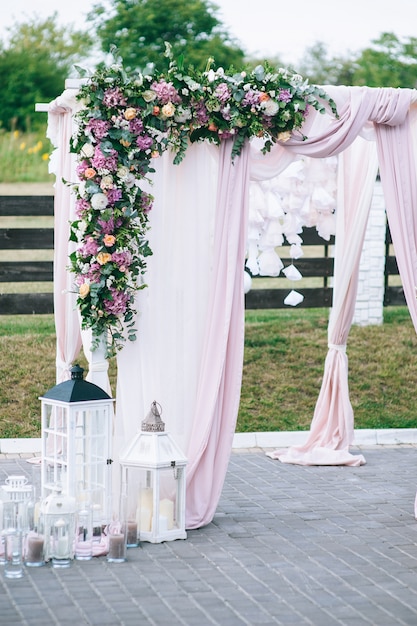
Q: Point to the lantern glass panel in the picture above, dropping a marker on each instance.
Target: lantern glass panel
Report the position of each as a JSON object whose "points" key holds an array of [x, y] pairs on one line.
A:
{"points": [[153, 499]]}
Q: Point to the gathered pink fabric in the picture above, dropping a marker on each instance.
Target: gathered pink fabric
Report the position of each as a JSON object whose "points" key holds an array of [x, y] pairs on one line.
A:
{"points": [[220, 376], [332, 428], [68, 336]]}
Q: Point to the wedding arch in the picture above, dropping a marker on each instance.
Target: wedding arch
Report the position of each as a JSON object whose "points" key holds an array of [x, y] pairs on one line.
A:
{"points": [[190, 325]]}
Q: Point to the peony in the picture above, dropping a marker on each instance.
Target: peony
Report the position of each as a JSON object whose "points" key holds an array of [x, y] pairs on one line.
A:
{"points": [[130, 113], [99, 201], [270, 107], [103, 258]]}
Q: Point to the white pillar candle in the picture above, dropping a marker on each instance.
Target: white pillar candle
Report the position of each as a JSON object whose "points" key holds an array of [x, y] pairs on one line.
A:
{"points": [[163, 524], [145, 509], [166, 509]]}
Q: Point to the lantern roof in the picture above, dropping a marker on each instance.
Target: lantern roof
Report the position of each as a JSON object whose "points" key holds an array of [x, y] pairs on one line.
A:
{"points": [[153, 450], [153, 447], [76, 389]]}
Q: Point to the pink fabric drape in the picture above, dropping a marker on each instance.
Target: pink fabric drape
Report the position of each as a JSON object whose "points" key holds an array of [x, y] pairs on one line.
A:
{"points": [[399, 182], [68, 337], [220, 376], [331, 431]]}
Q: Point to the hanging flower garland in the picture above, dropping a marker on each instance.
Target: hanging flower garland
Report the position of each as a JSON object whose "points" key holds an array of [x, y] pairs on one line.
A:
{"points": [[129, 118]]}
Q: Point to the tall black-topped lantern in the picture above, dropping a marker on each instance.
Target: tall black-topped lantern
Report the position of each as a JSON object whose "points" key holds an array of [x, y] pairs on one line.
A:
{"points": [[76, 443]]}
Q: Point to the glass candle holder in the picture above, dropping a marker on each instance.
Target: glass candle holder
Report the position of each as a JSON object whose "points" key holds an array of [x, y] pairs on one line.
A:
{"points": [[117, 537], [84, 535], [13, 567], [2, 547], [34, 549], [62, 550], [132, 540]]}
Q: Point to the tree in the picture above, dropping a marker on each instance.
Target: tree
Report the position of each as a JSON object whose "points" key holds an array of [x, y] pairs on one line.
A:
{"points": [[389, 63], [322, 69], [140, 28], [33, 68]]}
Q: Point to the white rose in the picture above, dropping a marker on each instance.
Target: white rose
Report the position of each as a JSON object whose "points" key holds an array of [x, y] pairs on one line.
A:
{"points": [[87, 150], [168, 109], [106, 182], [99, 201], [122, 171], [149, 95]]}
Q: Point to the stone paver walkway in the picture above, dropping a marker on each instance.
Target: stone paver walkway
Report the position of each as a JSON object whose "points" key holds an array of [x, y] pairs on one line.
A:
{"points": [[288, 545]]}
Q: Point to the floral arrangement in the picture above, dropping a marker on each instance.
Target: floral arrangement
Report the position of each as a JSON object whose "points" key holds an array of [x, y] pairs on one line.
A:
{"points": [[129, 118]]}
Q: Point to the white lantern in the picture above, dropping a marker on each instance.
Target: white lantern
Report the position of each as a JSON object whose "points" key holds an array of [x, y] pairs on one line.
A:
{"points": [[153, 482], [76, 442], [57, 513]]}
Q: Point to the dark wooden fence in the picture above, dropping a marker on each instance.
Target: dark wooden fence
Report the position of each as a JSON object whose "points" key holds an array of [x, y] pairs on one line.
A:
{"points": [[13, 240]]}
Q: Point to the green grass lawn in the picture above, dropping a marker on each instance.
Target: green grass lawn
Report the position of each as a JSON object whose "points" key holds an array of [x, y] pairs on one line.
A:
{"points": [[283, 369]]}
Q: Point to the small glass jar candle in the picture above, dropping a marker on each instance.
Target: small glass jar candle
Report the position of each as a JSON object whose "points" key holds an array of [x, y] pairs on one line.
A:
{"points": [[132, 540], [117, 536], [34, 549], [84, 535], [62, 550], [13, 567]]}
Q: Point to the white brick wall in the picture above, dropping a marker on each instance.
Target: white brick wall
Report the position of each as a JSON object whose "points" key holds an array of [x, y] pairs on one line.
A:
{"points": [[369, 302]]}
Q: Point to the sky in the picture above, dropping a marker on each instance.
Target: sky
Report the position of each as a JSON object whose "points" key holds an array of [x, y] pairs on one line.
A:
{"points": [[268, 28]]}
